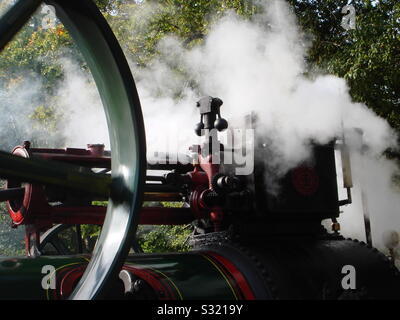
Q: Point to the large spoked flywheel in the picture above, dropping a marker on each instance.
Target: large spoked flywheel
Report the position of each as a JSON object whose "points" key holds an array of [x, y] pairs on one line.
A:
{"points": [[116, 86]]}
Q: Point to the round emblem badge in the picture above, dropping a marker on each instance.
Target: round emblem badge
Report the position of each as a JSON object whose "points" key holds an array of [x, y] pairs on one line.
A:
{"points": [[305, 180]]}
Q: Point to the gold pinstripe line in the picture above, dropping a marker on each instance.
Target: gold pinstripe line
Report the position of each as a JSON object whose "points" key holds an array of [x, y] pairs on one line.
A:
{"points": [[163, 274], [55, 271], [222, 273]]}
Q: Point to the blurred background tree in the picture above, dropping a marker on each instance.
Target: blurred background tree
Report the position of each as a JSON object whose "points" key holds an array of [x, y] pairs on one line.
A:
{"points": [[368, 57]]}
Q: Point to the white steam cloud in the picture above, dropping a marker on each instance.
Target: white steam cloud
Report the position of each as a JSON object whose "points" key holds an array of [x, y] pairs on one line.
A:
{"points": [[80, 102], [254, 66], [259, 66]]}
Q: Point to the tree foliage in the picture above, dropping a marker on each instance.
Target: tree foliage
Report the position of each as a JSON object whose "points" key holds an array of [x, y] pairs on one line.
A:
{"points": [[140, 25], [164, 238], [368, 57]]}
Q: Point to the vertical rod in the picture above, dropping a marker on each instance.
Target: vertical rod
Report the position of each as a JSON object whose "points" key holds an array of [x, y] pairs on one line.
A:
{"points": [[79, 238]]}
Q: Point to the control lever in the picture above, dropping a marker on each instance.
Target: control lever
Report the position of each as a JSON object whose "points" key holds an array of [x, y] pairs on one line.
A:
{"points": [[210, 115]]}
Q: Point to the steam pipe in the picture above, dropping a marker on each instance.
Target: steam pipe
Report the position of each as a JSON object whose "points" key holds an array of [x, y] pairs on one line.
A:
{"points": [[162, 196], [178, 167], [61, 175], [11, 194], [158, 187], [96, 215], [155, 178]]}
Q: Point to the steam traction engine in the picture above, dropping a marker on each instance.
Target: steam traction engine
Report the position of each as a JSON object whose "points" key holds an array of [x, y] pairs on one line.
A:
{"points": [[247, 243]]}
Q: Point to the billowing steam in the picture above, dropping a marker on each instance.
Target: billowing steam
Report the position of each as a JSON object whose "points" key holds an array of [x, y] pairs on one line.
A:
{"points": [[259, 65], [80, 101], [255, 66]]}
